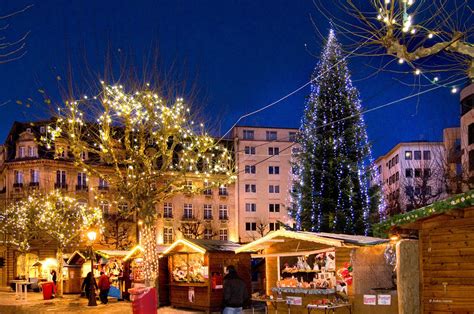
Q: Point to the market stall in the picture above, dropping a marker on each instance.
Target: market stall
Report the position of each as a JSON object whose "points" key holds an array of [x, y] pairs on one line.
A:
{"points": [[73, 278], [323, 270], [111, 263], [196, 272]]}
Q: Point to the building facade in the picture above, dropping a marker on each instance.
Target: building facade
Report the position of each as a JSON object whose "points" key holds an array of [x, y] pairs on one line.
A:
{"points": [[262, 189], [467, 135], [411, 175]]}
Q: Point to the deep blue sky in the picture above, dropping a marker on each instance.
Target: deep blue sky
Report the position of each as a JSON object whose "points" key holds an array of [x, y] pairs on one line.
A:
{"points": [[240, 54]]}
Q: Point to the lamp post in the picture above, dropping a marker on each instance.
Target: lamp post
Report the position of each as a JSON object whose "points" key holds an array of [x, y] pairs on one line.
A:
{"points": [[92, 235]]}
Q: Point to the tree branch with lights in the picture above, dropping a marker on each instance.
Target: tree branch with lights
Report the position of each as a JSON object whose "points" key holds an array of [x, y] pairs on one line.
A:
{"points": [[146, 147]]}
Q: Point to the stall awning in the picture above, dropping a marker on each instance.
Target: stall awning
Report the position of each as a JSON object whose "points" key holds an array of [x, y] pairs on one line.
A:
{"points": [[201, 246], [329, 239]]}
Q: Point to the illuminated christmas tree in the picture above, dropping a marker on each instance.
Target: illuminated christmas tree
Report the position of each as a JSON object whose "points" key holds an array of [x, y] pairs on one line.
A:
{"points": [[332, 170]]}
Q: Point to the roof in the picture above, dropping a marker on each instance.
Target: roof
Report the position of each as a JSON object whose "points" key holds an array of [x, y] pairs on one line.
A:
{"points": [[329, 239], [204, 245], [408, 144], [112, 253], [458, 201]]}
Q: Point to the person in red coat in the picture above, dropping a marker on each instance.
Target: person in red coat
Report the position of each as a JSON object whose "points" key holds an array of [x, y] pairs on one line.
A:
{"points": [[104, 286]]}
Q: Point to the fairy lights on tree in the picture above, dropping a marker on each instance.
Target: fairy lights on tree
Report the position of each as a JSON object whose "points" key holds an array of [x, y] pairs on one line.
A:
{"points": [[333, 167], [433, 37], [146, 147]]}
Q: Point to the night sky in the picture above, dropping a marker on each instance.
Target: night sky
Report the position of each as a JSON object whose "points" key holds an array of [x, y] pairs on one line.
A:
{"points": [[241, 55]]}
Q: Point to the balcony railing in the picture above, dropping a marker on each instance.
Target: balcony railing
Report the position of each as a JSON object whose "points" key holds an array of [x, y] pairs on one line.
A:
{"points": [[223, 217], [103, 188], [60, 186], [207, 192], [17, 185], [207, 217], [81, 187], [188, 218], [223, 193]]}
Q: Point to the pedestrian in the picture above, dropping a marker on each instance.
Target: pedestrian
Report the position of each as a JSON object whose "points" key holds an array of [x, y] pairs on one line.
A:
{"points": [[87, 284], [53, 279], [104, 286], [235, 292]]}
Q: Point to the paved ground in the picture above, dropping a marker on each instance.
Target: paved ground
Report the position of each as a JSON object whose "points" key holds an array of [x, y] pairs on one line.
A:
{"points": [[68, 304]]}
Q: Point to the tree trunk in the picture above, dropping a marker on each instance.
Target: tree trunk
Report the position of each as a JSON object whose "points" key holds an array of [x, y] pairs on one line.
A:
{"points": [[59, 274], [150, 258]]}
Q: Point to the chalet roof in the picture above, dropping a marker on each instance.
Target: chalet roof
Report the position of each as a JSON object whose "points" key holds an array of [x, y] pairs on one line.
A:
{"points": [[458, 201], [203, 245], [329, 239]]}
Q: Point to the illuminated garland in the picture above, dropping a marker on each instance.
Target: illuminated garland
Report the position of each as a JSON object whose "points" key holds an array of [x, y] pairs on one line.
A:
{"points": [[458, 201]]}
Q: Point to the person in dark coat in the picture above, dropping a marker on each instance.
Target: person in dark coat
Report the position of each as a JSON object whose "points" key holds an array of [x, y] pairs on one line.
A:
{"points": [[54, 279], [86, 284], [104, 286], [235, 292]]}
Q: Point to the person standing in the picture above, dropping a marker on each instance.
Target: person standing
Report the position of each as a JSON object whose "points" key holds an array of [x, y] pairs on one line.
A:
{"points": [[53, 279], [87, 283], [235, 292], [104, 286]]}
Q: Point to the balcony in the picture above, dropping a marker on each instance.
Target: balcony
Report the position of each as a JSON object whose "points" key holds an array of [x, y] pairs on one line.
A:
{"points": [[223, 217], [83, 188], [207, 192], [188, 218], [223, 193], [103, 188], [17, 185], [60, 186], [208, 217]]}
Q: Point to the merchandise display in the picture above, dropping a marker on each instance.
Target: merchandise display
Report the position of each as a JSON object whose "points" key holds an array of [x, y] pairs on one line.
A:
{"points": [[188, 268]]}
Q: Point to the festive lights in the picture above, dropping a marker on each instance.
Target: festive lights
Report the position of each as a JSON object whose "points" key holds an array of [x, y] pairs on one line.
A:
{"points": [[332, 170]]}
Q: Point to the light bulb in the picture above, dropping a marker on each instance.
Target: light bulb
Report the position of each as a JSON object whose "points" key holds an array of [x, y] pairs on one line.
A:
{"points": [[430, 35], [417, 71], [401, 61], [454, 90]]}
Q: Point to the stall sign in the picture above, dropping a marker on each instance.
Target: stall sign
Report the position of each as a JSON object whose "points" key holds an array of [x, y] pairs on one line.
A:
{"points": [[294, 301], [370, 299], [384, 299]]}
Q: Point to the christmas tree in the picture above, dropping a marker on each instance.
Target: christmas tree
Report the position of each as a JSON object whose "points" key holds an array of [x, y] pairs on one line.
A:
{"points": [[332, 169]]}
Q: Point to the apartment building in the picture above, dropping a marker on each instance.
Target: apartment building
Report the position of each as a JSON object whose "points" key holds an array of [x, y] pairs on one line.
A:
{"points": [[411, 175], [262, 156], [467, 135]]}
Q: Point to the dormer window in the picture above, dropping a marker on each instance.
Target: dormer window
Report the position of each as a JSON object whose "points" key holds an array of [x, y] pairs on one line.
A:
{"points": [[21, 152], [32, 151], [61, 151]]}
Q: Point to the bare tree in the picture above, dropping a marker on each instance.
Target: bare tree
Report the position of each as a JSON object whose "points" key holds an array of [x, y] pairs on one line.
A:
{"points": [[412, 31], [117, 232], [11, 49], [195, 228]]}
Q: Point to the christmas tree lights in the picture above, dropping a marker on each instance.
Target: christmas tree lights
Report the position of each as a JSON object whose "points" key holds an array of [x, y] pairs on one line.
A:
{"points": [[332, 171]]}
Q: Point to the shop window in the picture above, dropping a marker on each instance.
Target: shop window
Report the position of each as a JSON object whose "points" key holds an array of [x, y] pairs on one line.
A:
{"points": [[250, 207]]}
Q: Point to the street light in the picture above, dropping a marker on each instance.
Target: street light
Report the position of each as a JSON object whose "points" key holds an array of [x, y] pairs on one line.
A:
{"points": [[92, 235]]}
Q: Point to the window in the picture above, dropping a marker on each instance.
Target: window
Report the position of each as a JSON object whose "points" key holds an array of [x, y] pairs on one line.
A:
{"points": [[223, 234], [122, 207], [207, 190], [408, 155], [427, 190], [389, 164], [61, 177], [167, 235], [188, 184], [271, 135], [292, 136], [42, 129], [273, 226], [34, 176], [417, 172], [250, 169], [250, 226], [103, 184], [273, 151], [168, 210], [250, 207], [470, 134], [396, 159], [223, 213], [426, 155], [273, 170], [417, 190], [83, 155], [18, 177], [397, 176], [409, 173], [104, 206], [208, 234], [207, 211], [223, 190], [409, 191], [188, 211], [249, 134], [32, 151], [82, 202], [273, 188], [21, 152], [471, 160], [274, 208], [417, 154], [427, 172], [81, 179], [249, 150], [250, 188]]}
